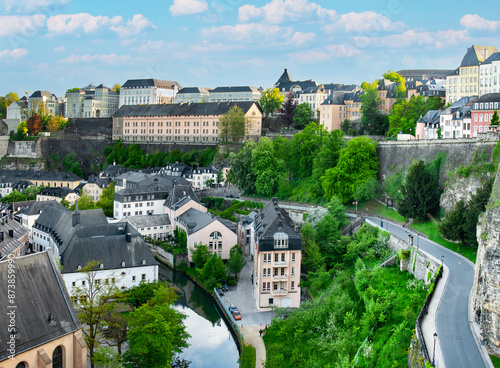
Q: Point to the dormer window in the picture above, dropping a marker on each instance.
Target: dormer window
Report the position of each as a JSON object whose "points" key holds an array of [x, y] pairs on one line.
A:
{"points": [[280, 240], [216, 235], [143, 262], [101, 266], [123, 264]]}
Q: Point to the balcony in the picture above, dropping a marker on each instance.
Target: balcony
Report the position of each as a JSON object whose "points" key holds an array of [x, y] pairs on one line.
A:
{"points": [[280, 278], [280, 264]]}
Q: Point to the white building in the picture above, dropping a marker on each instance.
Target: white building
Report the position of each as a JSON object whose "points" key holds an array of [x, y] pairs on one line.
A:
{"points": [[202, 177], [314, 97], [234, 94], [78, 237], [489, 75], [49, 100], [192, 94], [155, 227], [455, 121], [148, 91], [92, 102]]}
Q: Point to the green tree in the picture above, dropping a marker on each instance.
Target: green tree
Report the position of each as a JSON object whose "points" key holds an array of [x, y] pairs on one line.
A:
{"points": [[241, 172], [328, 237], [494, 119], [85, 202], [107, 199], [236, 261], [327, 157], [31, 192], [219, 178], [71, 164], [200, 255], [302, 116], [421, 192], [232, 124], [453, 226], [367, 191], [404, 116], [313, 259], [6, 101], [357, 163], [13, 197], [345, 126], [372, 120], [95, 301], [283, 151], [267, 168], [116, 87], [106, 357], [214, 271], [156, 332], [305, 147], [271, 101], [400, 90], [22, 131]]}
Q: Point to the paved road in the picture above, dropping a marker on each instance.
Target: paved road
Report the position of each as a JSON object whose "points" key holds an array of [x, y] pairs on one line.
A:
{"points": [[456, 341]]}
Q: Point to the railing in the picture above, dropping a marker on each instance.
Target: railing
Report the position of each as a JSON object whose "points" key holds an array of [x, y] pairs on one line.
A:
{"points": [[280, 277], [350, 228], [423, 313], [280, 264], [232, 323]]}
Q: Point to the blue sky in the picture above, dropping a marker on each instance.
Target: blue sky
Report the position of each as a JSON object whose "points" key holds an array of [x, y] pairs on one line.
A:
{"points": [[59, 44]]}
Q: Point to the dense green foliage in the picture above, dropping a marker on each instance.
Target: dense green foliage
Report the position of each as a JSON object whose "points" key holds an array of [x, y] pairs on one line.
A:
{"points": [[5, 101], [241, 172], [236, 262], [27, 194], [200, 255], [271, 101], [460, 223], [213, 272], [267, 167], [134, 157], [421, 191], [71, 164], [373, 122], [351, 304], [357, 163], [367, 191], [288, 110], [232, 125], [479, 166], [494, 119], [302, 116], [403, 117]]}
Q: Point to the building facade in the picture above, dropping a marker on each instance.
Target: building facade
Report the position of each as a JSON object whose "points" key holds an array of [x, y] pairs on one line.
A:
{"points": [[186, 123], [277, 258], [489, 75], [92, 102], [192, 94], [234, 94], [148, 91], [482, 111]]}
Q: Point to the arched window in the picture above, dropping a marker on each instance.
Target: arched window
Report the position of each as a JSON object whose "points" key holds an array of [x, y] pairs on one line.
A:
{"points": [[216, 235], [57, 357], [22, 365], [280, 240]]}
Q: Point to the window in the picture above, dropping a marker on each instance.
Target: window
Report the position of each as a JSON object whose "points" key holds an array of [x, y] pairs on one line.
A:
{"points": [[83, 283], [293, 257], [275, 286], [275, 272], [73, 284], [271, 301], [57, 357], [133, 278], [143, 276], [264, 272], [293, 271], [97, 282], [216, 235], [282, 272], [282, 257], [276, 255], [292, 285]]}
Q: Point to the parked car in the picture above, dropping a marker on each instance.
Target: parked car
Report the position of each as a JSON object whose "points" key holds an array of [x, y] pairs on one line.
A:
{"points": [[235, 312], [225, 287]]}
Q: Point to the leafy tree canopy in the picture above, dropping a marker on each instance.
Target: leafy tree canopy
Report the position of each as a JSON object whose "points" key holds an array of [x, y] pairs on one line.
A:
{"points": [[271, 101], [302, 115], [494, 118], [241, 172], [267, 167], [232, 124], [75, 89]]}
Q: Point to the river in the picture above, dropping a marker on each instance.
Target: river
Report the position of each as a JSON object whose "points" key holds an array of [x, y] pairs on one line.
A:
{"points": [[211, 342]]}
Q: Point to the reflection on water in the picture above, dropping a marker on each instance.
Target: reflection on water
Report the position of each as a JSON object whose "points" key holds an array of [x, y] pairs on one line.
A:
{"points": [[211, 342]]}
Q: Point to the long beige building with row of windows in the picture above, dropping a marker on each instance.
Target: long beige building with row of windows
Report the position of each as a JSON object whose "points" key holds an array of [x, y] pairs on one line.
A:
{"points": [[181, 123]]}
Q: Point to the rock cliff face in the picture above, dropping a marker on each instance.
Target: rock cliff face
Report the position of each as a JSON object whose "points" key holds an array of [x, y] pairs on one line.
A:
{"points": [[486, 288], [460, 188]]}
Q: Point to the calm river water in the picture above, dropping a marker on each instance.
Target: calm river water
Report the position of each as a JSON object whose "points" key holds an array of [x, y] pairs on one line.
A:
{"points": [[211, 342]]}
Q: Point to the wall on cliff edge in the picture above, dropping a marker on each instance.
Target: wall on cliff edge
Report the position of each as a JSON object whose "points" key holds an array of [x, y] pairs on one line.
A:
{"points": [[486, 289], [396, 155]]}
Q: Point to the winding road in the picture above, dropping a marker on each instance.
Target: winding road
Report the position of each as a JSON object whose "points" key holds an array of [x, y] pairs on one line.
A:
{"points": [[458, 346]]}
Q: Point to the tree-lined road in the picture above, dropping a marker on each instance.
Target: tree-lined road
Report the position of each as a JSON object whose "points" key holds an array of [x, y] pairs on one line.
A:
{"points": [[458, 347]]}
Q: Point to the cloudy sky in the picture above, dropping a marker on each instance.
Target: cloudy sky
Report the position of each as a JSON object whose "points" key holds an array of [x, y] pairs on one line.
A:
{"points": [[59, 44]]}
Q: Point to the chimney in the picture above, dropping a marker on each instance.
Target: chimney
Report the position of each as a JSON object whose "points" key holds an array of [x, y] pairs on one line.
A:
{"points": [[129, 238], [76, 215], [11, 233]]}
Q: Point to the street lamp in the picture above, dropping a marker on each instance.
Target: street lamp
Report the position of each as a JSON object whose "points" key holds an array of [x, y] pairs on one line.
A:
{"points": [[434, 349], [442, 261]]}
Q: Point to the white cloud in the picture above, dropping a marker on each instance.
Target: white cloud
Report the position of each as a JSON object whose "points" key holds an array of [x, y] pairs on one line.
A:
{"points": [[151, 45], [59, 48], [188, 7], [26, 6], [25, 25], [411, 37], [69, 23], [368, 22], [134, 26], [105, 59], [474, 21], [300, 39], [279, 11], [330, 52], [13, 54], [250, 32]]}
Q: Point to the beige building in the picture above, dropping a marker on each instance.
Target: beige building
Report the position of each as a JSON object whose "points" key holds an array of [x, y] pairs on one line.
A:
{"points": [[181, 123], [277, 258], [44, 330], [203, 227], [92, 102], [339, 106], [466, 79], [39, 178], [57, 194]]}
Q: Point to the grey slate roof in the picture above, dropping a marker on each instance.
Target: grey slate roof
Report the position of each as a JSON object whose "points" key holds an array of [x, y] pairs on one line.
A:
{"points": [[32, 175], [40, 291], [475, 55], [148, 220], [489, 97], [180, 195], [195, 220], [273, 219], [186, 90], [425, 73], [59, 192], [38, 94], [10, 243], [287, 86], [494, 57], [38, 206], [144, 83], [285, 78], [182, 109]]}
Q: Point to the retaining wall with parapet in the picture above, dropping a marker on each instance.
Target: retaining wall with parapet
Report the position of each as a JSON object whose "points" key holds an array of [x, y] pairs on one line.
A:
{"points": [[396, 155], [25, 149]]}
